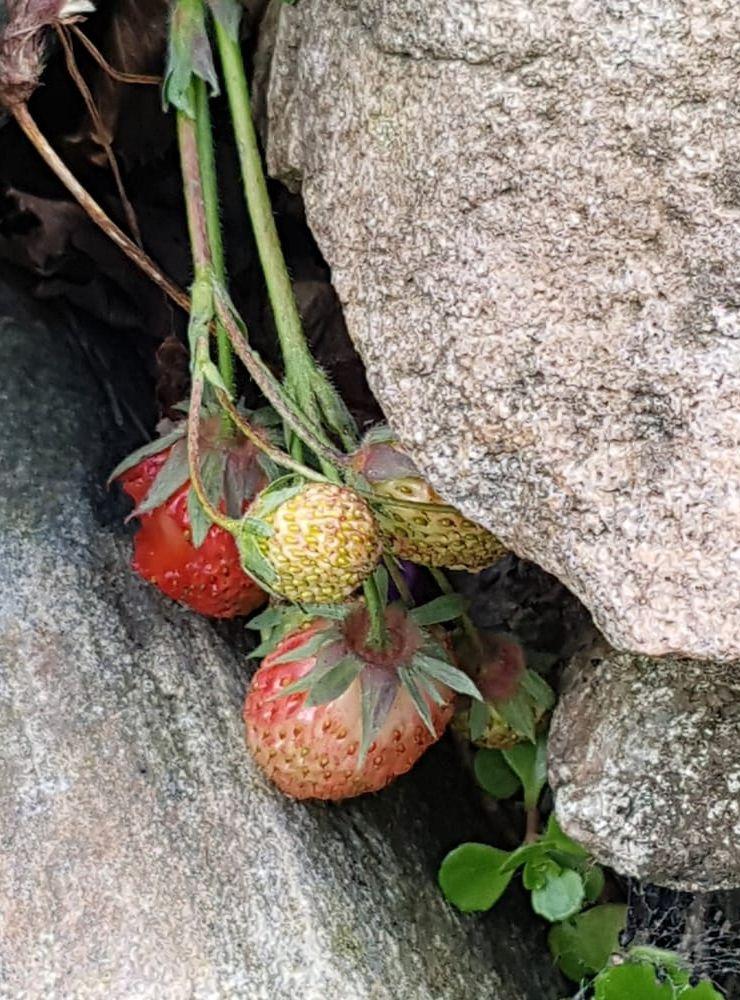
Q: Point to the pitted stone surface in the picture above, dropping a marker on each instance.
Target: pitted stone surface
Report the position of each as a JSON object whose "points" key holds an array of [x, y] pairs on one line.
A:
{"points": [[532, 216], [645, 766], [141, 854]]}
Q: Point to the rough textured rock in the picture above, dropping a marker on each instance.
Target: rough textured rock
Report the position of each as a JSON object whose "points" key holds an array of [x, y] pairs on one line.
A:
{"points": [[531, 214], [142, 855], [645, 766]]}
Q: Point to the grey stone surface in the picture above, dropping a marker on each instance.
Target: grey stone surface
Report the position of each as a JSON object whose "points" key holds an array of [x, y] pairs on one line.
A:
{"points": [[141, 854], [531, 212], [645, 766]]}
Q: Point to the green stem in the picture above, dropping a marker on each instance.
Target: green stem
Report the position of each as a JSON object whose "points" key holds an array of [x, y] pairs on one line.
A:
{"points": [[309, 386], [378, 635], [209, 183]]}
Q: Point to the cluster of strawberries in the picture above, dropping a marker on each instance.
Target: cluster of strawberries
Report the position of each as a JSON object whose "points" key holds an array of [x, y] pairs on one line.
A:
{"points": [[331, 712]]}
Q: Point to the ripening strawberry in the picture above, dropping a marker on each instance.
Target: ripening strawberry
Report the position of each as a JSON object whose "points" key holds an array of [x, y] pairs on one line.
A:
{"points": [[432, 533], [176, 548], [305, 708], [516, 701], [318, 542]]}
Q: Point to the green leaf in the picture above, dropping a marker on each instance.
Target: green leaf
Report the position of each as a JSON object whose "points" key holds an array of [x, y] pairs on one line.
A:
{"points": [[441, 609], [631, 981], [189, 56], [529, 762], [494, 774], [519, 712], [407, 679], [561, 841], [471, 878], [560, 897], [478, 719], [445, 673], [536, 873], [147, 450], [334, 682], [269, 618], [593, 881], [583, 944], [538, 689], [526, 854], [173, 474]]}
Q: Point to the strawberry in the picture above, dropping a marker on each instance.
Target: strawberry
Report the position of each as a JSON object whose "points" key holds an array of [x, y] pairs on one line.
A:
{"points": [[330, 717], [416, 522], [311, 542], [516, 701], [176, 547]]}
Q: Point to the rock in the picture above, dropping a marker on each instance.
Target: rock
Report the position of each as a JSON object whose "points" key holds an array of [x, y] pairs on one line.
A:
{"points": [[531, 216], [142, 853], [645, 766]]}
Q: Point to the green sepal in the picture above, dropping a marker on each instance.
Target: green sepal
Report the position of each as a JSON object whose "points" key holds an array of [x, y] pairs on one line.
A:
{"points": [[428, 685], [189, 55], [406, 676], [173, 474], [228, 13], [382, 582], [335, 681], [478, 720], [148, 450], [378, 692], [276, 494], [253, 561], [212, 475], [306, 649], [256, 526], [441, 609], [519, 713], [443, 671]]}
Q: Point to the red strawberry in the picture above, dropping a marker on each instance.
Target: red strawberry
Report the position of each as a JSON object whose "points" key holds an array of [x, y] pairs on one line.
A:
{"points": [[305, 708], [203, 572]]}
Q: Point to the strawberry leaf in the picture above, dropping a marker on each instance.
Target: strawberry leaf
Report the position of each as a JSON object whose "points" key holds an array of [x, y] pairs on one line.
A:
{"points": [[561, 896], [379, 688], [441, 609], [583, 944], [529, 762], [480, 715], [538, 689], [441, 670], [471, 877], [174, 473], [407, 679], [334, 682], [494, 775], [147, 450], [519, 713]]}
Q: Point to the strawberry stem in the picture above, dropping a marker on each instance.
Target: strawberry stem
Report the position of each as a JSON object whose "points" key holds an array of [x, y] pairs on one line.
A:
{"points": [[304, 380], [209, 184], [377, 637]]}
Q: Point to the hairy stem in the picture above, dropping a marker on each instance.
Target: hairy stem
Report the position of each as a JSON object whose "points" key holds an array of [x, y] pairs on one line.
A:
{"points": [[378, 635], [196, 400], [209, 184], [308, 385], [26, 122], [278, 456]]}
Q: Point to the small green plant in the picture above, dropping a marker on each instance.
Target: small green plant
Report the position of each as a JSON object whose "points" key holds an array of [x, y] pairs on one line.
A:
{"points": [[565, 885]]}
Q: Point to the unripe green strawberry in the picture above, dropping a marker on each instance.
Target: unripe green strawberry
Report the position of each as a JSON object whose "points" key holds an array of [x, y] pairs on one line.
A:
{"points": [[434, 534], [328, 716], [319, 542]]}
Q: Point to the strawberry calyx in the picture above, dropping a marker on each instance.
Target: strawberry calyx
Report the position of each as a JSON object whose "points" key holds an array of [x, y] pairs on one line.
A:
{"points": [[515, 700], [233, 469], [416, 658]]}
